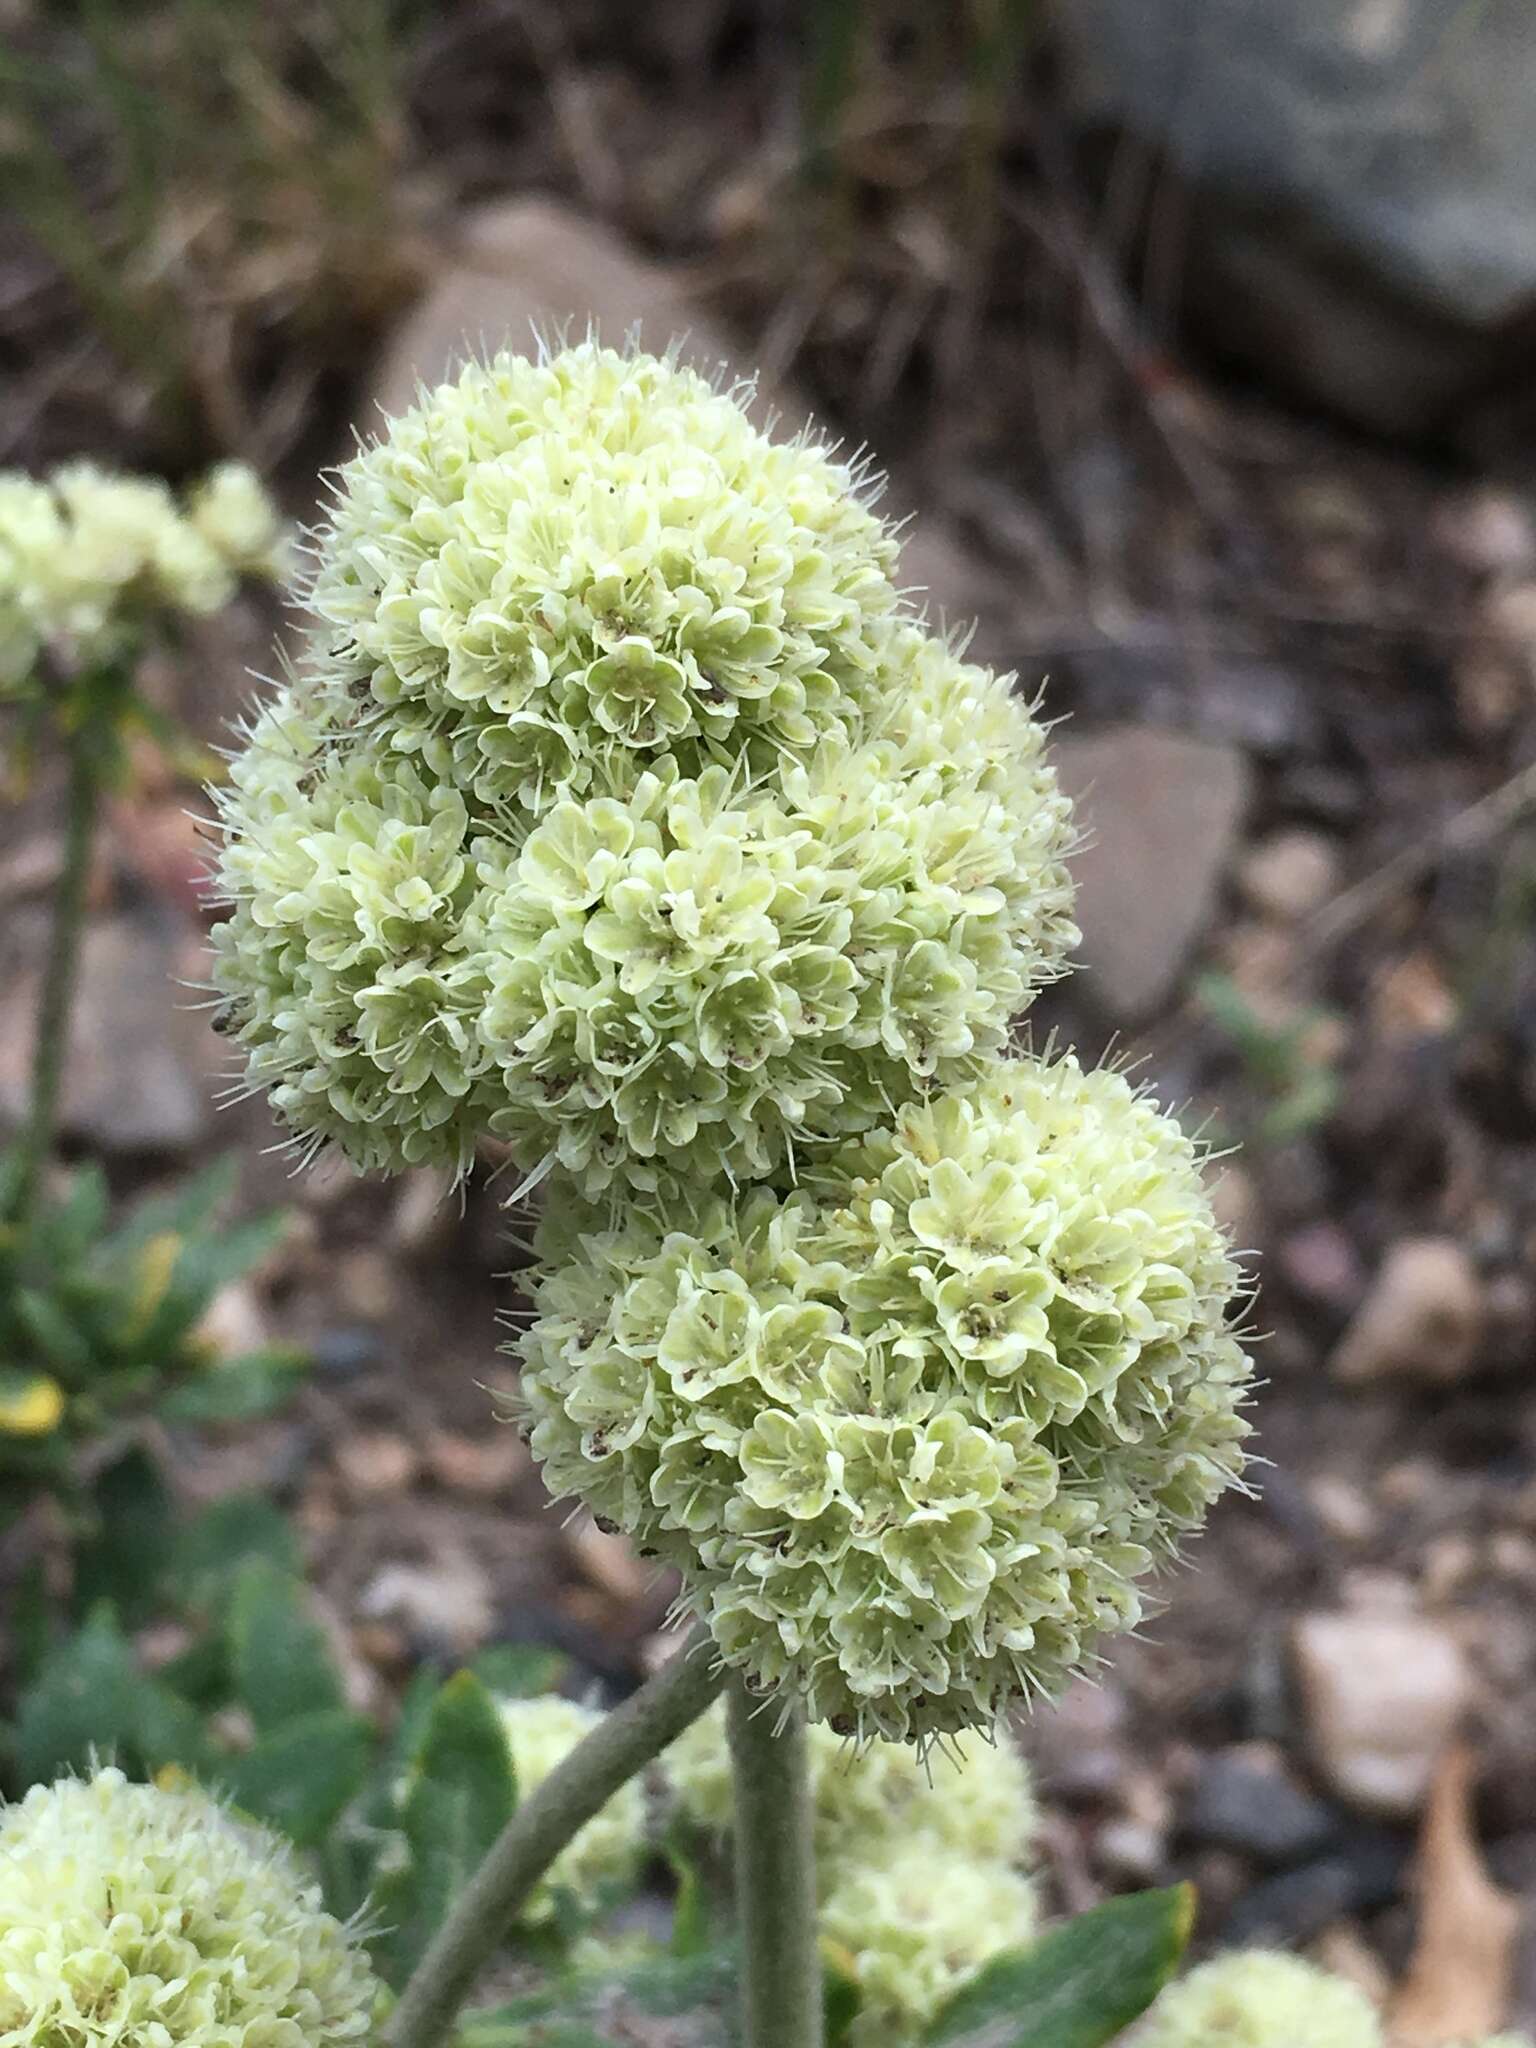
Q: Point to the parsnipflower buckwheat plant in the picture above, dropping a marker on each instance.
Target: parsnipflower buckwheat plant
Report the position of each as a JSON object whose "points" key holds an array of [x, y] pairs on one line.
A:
{"points": [[619, 807], [134, 1915]]}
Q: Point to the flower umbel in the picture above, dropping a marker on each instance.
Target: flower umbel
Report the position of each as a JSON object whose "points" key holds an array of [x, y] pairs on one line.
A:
{"points": [[619, 811], [133, 1915], [915, 1431], [1260, 1998], [541, 1733]]}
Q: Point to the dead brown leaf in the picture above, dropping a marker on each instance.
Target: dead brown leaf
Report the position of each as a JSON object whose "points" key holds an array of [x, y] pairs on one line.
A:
{"points": [[1457, 1986]]}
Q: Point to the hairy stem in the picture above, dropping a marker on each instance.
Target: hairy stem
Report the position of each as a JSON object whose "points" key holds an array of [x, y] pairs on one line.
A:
{"points": [[622, 1744], [775, 1875], [53, 1008]]}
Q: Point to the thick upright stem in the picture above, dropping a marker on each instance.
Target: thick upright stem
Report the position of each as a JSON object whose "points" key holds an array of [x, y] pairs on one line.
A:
{"points": [[53, 1009], [623, 1743], [775, 1875]]}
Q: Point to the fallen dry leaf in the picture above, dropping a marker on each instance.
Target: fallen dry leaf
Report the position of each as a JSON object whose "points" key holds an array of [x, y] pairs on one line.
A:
{"points": [[1457, 1986]]}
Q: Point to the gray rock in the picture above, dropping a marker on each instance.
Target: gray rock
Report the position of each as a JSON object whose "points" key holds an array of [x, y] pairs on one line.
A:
{"points": [[525, 267], [1383, 1691], [1162, 812], [1365, 1872], [142, 1062], [1365, 172], [1244, 1800]]}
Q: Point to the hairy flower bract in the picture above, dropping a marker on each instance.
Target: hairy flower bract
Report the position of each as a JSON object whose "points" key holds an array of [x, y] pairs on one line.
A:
{"points": [[915, 1431], [134, 1915]]}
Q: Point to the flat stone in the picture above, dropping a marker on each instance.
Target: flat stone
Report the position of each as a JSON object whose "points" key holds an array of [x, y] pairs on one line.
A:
{"points": [[525, 267], [1162, 812], [1421, 1321], [1382, 1691], [142, 1062]]}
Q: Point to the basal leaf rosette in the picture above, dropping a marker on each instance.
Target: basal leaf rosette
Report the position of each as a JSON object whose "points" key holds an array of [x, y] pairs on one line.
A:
{"points": [[916, 1431], [678, 975], [131, 1914]]}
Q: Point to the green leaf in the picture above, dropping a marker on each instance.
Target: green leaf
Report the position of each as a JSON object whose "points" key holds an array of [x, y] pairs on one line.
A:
{"points": [[280, 1661], [91, 1697], [240, 1389], [610, 2006], [461, 1794], [1079, 1985], [519, 1671], [300, 1779], [125, 1558], [229, 1533]]}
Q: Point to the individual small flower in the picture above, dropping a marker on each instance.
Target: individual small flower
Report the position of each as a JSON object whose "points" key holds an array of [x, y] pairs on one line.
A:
{"points": [[131, 1914], [618, 812], [606, 1854], [912, 1928], [914, 1431], [970, 1796], [1256, 1998]]}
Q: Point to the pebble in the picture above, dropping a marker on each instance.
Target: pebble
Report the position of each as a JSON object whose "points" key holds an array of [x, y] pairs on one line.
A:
{"points": [[1153, 803], [1320, 1262], [1078, 1744], [1243, 1799], [1382, 1691], [1421, 1321], [447, 1604], [483, 1467], [376, 1463], [1289, 875], [1487, 531], [1364, 1873]]}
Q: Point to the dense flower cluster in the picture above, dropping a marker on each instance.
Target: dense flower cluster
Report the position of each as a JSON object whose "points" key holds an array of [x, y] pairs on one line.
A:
{"points": [[911, 1930], [970, 1796], [132, 1915], [914, 1431], [916, 1859], [541, 1732], [87, 558], [1258, 1998], [618, 810]]}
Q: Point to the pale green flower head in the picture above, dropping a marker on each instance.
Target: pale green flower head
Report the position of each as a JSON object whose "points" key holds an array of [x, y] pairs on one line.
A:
{"points": [[553, 869], [914, 1432], [1258, 1998], [912, 1928], [971, 1796], [90, 560], [606, 1854], [137, 1918]]}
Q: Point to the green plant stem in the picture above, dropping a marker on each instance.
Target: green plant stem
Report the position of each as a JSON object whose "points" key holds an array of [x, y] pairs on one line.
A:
{"points": [[623, 1743], [59, 972], [775, 1874]]}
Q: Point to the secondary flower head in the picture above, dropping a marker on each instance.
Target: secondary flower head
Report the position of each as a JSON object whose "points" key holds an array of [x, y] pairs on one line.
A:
{"points": [[133, 1914], [970, 1798], [1256, 1998], [915, 1431], [89, 560], [618, 810], [911, 1930], [541, 1733]]}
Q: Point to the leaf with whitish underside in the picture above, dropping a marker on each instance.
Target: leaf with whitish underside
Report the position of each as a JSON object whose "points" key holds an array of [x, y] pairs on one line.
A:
{"points": [[1078, 1985]]}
